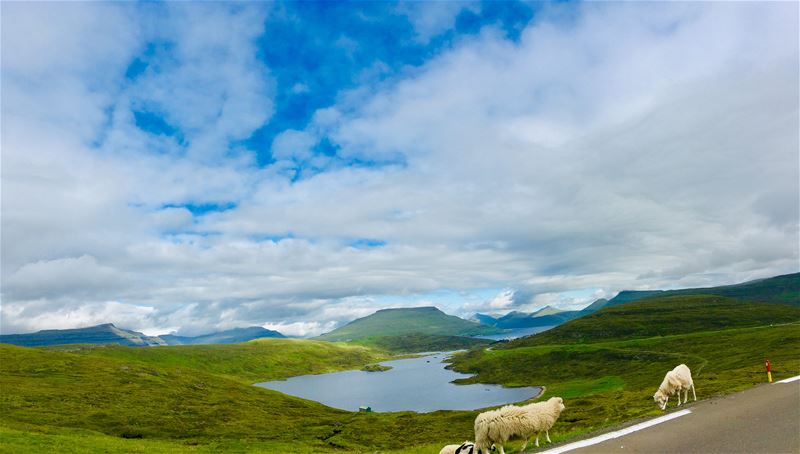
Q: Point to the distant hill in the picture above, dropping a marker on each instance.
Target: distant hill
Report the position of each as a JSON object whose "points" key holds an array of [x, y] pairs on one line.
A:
{"points": [[664, 316], [100, 334], [485, 319], [406, 321], [231, 336], [596, 306], [778, 289], [547, 310], [516, 319]]}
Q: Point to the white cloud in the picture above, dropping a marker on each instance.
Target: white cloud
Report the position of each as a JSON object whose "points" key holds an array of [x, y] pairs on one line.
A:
{"points": [[619, 149], [431, 19], [301, 329]]}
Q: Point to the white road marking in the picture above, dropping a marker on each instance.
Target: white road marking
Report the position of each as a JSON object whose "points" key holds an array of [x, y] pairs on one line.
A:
{"points": [[789, 380], [616, 434]]}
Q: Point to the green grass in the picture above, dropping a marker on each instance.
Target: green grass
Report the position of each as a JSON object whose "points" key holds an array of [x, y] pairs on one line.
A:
{"points": [[250, 362], [610, 382], [194, 398]]}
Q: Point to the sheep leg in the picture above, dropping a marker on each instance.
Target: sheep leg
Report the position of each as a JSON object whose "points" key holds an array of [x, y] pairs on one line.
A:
{"points": [[547, 434], [666, 401], [500, 448], [524, 445], [537, 439], [679, 397], [693, 394]]}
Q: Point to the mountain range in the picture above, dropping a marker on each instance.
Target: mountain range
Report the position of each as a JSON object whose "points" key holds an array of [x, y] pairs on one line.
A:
{"points": [[428, 321], [109, 334], [231, 336], [101, 334], [779, 289]]}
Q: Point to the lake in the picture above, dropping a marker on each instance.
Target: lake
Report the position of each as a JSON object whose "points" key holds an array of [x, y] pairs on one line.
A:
{"points": [[517, 332], [417, 384]]}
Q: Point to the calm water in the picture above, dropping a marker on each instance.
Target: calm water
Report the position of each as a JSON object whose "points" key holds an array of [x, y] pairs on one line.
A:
{"points": [[517, 332], [418, 384]]}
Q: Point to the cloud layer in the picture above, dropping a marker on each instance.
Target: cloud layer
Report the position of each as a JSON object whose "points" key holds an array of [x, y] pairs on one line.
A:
{"points": [[601, 147]]}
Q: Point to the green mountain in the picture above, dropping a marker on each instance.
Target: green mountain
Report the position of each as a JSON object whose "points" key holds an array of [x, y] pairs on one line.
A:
{"points": [[664, 316], [100, 334], [231, 336], [778, 289], [407, 321]]}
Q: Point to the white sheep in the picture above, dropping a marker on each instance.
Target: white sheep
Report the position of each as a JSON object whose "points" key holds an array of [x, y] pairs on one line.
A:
{"points": [[676, 380], [498, 426], [467, 447]]}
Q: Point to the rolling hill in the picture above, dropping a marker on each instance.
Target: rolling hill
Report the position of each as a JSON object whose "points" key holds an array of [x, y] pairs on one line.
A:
{"points": [[407, 321], [663, 316], [231, 336], [91, 398], [100, 334], [779, 289]]}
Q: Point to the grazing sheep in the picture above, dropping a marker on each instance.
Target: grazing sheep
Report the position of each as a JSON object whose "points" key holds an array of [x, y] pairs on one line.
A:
{"points": [[467, 447], [498, 426], [676, 380]]}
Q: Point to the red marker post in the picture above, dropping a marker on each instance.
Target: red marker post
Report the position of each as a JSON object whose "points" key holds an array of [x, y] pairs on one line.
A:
{"points": [[769, 369]]}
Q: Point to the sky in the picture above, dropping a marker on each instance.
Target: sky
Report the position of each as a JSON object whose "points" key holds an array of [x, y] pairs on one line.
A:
{"points": [[191, 167]]}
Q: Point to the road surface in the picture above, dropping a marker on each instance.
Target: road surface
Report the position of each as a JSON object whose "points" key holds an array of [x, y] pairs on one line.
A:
{"points": [[764, 420]]}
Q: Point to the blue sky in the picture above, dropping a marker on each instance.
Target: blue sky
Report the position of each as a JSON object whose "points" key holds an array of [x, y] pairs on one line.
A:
{"points": [[186, 167]]}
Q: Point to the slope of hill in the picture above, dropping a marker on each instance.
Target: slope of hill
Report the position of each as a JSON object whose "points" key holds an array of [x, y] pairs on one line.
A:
{"points": [[596, 306], [231, 336], [778, 289], [398, 322], [194, 399], [663, 316], [100, 334], [547, 310]]}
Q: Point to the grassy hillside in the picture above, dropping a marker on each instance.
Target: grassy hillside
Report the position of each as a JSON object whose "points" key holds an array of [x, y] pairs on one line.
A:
{"points": [[193, 398], [779, 289], [398, 322], [257, 360], [663, 316], [607, 365], [611, 382]]}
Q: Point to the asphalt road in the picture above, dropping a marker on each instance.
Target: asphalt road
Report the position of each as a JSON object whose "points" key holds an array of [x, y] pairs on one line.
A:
{"points": [[762, 420]]}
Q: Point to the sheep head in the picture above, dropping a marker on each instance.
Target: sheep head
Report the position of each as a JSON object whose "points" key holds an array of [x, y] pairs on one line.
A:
{"points": [[660, 399]]}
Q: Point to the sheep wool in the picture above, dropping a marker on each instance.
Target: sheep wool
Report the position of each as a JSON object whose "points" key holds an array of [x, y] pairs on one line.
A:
{"points": [[498, 426], [676, 380], [464, 448]]}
